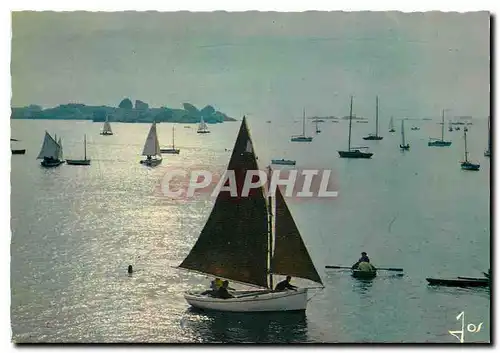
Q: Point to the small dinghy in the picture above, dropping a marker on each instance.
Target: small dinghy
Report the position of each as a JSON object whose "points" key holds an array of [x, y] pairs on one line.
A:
{"points": [[283, 161]]}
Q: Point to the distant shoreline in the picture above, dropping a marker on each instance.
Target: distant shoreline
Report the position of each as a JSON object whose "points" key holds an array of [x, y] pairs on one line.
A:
{"points": [[125, 122], [126, 112]]}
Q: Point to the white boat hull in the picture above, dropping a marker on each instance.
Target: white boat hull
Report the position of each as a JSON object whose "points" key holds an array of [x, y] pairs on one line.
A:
{"points": [[251, 301]]}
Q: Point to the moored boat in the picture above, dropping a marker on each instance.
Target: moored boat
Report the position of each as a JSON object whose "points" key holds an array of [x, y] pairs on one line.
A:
{"points": [[459, 282], [466, 164], [303, 137], [487, 153], [83, 161], [203, 127], [283, 161], [375, 137], [404, 145], [353, 152], [442, 142], [23, 151], [391, 125], [171, 150], [106, 129]]}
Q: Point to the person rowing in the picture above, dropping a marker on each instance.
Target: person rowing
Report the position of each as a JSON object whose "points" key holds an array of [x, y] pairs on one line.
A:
{"points": [[363, 263]]}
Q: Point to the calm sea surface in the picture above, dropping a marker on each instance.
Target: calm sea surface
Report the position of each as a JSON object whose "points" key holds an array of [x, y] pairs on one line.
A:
{"points": [[76, 229]]}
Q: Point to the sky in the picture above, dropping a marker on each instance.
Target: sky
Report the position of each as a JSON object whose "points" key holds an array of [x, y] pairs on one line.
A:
{"points": [[267, 64]]}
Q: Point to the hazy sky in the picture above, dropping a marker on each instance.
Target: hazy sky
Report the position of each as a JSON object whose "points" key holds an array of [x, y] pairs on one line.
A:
{"points": [[263, 64]]}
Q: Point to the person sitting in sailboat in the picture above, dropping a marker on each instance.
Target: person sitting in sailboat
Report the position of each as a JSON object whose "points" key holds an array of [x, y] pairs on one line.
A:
{"points": [[363, 263], [216, 284], [284, 285], [223, 292]]}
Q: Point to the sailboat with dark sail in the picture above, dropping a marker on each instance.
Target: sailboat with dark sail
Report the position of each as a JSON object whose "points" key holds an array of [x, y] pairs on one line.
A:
{"points": [[404, 145], [466, 164], [442, 142], [353, 152], [246, 241], [375, 137]]}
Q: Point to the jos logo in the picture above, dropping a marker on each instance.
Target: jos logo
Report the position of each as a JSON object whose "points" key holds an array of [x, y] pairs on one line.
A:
{"points": [[472, 328]]}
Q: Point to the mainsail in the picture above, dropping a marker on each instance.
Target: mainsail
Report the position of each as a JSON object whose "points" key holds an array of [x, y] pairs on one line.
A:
{"points": [[234, 242], [152, 146], [50, 148], [290, 254]]}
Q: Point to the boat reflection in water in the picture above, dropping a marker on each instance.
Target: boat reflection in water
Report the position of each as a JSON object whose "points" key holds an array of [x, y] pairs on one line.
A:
{"points": [[230, 327]]}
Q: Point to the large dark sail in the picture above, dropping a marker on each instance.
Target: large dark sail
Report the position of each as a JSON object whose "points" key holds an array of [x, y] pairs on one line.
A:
{"points": [[290, 253], [234, 242]]}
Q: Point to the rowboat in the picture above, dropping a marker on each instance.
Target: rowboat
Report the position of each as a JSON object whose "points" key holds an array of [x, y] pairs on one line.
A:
{"points": [[460, 282], [283, 161], [364, 274]]}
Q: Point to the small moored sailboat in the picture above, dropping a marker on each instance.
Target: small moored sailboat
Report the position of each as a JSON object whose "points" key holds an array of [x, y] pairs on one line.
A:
{"points": [[466, 164], [404, 146], [238, 243], [303, 137], [391, 125], [171, 150], [317, 127], [283, 161], [152, 148], [203, 127], [487, 153], [442, 142], [83, 161], [51, 152], [376, 136], [17, 151], [355, 152], [106, 129]]}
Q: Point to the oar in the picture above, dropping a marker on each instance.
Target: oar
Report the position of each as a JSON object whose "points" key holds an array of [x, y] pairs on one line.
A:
{"points": [[376, 268]]}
